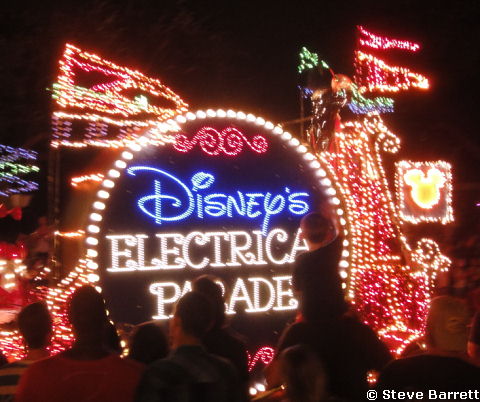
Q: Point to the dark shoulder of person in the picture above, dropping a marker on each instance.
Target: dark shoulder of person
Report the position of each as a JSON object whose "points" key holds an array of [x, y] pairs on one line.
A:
{"points": [[475, 331], [232, 380], [328, 253], [307, 265], [226, 343], [425, 372], [295, 334], [208, 377], [367, 343], [345, 336]]}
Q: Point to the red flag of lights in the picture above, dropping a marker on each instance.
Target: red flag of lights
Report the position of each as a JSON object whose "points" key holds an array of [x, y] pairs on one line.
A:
{"points": [[383, 43], [373, 74], [111, 101]]}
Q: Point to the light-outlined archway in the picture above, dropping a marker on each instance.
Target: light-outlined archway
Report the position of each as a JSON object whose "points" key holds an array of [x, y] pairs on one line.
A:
{"points": [[234, 143]]}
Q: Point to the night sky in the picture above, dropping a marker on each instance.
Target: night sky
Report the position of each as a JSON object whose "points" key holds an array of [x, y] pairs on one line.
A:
{"points": [[243, 55]]}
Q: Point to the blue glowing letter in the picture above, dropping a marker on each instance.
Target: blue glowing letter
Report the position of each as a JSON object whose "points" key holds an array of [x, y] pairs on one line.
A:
{"points": [[158, 198]]}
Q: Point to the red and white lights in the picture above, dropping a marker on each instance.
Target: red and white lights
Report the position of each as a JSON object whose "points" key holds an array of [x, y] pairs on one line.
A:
{"points": [[105, 107]]}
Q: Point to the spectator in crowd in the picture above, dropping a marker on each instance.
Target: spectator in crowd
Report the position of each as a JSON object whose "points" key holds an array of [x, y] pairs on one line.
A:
{"points": [[303, 374], [221, 340], [87, 371], [445, 365], [474, 340], [189, 373], [148, 343], [35, 326], [3, 359], [347, 348], [302, 378], [315, 275], [112, 339]]}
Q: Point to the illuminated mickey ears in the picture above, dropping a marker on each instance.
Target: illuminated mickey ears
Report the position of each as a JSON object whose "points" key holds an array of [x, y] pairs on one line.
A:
{"points": [[413, 177], [416, 177], [420, 186]]}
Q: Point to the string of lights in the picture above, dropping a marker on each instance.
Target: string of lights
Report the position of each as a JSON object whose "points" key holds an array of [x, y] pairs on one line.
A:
{"points": [[114, 116], [377, 42], [71, 235], [15, 164], [308, 60], [373, 74], [94, 177], [391, 295], [362, 105]]}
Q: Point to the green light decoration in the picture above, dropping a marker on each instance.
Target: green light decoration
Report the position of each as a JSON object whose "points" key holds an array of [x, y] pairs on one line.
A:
{"points": [[324, 65], [361, 105], [9, 169], [15, 164], [308, 60]]}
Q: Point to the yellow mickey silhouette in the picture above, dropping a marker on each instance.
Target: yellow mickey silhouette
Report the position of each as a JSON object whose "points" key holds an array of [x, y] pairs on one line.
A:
{"points": [[425, 189]]}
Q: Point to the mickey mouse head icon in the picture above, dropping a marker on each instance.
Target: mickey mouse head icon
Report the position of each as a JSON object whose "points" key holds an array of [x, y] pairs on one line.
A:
{"points": [[425, 188]]}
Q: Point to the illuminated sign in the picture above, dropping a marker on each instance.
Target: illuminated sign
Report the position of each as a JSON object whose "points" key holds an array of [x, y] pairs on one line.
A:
{"points": [[425, 187], [424, 191], [256, 251], [224, 199], [192, 200]]}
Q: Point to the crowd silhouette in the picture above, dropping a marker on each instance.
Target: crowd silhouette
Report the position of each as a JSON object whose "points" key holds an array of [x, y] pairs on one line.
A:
{"points": [[326, 354]]}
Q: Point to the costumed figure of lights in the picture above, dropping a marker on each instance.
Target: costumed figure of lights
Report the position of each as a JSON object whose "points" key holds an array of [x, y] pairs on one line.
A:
{"points": [[326, 105]]}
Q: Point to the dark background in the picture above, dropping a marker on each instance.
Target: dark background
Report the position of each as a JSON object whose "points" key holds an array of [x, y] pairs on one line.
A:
{"points": [[243, 55]]}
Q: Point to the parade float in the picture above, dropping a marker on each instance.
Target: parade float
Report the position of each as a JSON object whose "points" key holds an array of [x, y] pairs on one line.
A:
{"points": [[18, 180], [151, 193]]}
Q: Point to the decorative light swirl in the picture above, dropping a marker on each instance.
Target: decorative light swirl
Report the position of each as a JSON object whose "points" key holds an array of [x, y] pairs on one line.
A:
{"points": [[264, 354], [230, 141], [427, 254]]}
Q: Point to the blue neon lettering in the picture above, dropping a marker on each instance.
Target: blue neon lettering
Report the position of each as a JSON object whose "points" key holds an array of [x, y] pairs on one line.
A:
{"points": [[240, 206], [215, 208], [272, 207], [174, 200], [298, 207], [251, 204], [202, 180], [158, 197]]}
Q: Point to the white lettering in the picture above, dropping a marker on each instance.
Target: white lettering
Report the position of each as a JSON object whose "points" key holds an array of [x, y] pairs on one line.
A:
{"points": [[253, 295], [163, 261], [201, 240], [257, 295], [211, 250], [282, 236], [239, 293], [236, 250], [158, 289], [292, 303]]}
